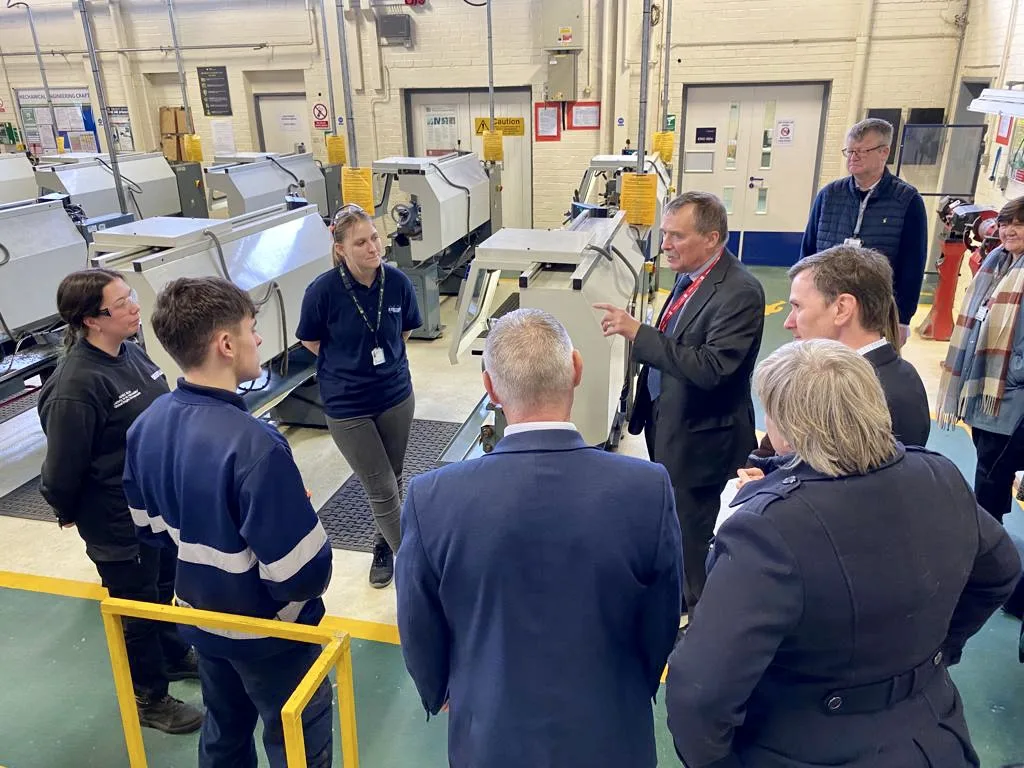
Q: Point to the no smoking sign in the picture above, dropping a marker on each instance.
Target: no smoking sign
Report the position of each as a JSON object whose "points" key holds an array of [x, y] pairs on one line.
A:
{"points": [[320, 121]]}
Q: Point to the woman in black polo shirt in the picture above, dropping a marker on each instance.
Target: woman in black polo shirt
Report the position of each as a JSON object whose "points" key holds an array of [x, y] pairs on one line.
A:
{"points": [[356, 319], [103, 383]]}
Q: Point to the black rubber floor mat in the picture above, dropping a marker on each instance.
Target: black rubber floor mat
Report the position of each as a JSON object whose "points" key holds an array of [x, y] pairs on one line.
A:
{"points": [[26, 501], [18, 404], [346, 515]]}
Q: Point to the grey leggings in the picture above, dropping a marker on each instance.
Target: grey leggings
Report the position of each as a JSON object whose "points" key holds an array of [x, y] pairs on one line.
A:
{"points": [[374, 447]]}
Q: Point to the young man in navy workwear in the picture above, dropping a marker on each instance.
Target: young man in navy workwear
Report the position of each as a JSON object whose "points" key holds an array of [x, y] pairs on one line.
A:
{"points": [[202, 473]]}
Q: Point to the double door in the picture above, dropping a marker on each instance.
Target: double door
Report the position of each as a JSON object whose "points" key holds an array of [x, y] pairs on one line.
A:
{"points": [[757, 148]]}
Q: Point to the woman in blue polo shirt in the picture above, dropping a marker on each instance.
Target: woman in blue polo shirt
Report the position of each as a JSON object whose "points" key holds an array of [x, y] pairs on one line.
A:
{"points": [[356, 319]]}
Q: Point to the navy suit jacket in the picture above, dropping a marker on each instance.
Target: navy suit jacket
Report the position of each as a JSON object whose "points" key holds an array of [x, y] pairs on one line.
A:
{"points": [[539, 592]]}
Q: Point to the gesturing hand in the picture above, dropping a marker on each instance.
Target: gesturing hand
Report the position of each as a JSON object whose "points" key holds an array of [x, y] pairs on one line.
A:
{"points": [[618, 321]]}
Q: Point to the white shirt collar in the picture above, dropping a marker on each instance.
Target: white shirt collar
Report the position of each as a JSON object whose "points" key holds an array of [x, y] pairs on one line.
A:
{"points": [[536, 426], [870, 189], [872, 346], [703, 267]]}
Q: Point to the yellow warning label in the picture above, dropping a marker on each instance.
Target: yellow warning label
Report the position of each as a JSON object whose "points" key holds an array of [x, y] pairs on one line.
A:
{"points": [[509, 126], [337, 153], [493, 150], [357, 187], [639, 198], [664, 144]]}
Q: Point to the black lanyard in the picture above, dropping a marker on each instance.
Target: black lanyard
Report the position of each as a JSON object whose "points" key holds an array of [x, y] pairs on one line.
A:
{"points": [[362, 312]]}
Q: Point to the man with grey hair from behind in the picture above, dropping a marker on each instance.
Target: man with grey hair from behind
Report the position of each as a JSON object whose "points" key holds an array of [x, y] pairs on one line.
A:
{"points": [[539, 585], [871, 208]]}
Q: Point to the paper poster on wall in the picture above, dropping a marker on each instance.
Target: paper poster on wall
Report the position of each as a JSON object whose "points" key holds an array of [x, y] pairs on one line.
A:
{"points": [[223, 137], [547, 121], [121, 129], [784, 130], [584, 115], [44, 116], [442, 129], [289, 123], [706, 135], [1004, 130], [69, 118], [46, 138], [84, 141]]}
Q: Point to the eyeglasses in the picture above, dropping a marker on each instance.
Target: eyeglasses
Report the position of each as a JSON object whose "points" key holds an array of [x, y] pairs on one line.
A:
{"points": [[132, 299], [847, 152]]}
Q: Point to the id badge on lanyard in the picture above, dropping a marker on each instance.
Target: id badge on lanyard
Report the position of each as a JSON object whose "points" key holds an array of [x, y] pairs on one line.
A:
{"points": [[377, 353], [855, 241]]}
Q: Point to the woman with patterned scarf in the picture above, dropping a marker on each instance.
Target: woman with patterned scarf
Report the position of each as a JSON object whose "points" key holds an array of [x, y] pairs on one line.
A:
{"points": [[983, 376]]}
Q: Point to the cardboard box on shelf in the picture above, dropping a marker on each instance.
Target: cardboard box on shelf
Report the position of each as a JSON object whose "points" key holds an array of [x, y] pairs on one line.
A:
{"points": [[172, 120], [172, 148]]}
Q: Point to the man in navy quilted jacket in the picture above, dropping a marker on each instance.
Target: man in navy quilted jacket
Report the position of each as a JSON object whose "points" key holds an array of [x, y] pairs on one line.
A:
{"points": [[874, 209]]}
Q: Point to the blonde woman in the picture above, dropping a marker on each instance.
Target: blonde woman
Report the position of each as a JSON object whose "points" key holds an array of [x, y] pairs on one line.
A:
{"points": [[356, 319], [840, 591]]}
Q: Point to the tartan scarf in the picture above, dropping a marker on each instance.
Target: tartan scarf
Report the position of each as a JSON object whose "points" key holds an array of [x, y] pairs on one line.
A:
{"points": [[974, 378]]}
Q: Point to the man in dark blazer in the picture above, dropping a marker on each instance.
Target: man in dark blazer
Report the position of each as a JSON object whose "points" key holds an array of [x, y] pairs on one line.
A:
{"points": [[539, 586], [693, 394], [845, 294]]}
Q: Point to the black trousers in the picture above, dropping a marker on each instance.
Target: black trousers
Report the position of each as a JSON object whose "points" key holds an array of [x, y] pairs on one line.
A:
{"points": [[999, 458], [151, 644], [697, 509]]}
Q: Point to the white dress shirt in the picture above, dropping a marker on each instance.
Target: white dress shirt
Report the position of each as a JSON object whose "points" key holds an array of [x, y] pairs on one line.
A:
{"points": [[536, 426]]}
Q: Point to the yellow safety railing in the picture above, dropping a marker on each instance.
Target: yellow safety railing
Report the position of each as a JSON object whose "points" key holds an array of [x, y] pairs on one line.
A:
{"points": [[337, 654], [333, 632]]}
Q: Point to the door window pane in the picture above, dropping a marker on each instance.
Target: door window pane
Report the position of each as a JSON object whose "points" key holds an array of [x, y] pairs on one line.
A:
{"points": [[733, 137], [762, 201], [727, 195], [767, 134]]}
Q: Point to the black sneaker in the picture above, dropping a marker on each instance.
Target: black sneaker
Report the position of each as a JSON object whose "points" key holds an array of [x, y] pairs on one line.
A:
{"points": [[382, 571], [168, 715], [186, 668]]}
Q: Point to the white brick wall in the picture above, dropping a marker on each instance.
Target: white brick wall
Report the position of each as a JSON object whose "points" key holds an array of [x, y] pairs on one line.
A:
{"points": [[714, 41]]}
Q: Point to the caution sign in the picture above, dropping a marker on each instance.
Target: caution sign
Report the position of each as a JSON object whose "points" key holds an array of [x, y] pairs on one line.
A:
{"points": [[509, 126]]}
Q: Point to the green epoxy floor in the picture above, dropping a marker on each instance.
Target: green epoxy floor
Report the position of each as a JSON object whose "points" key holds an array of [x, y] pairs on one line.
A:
{"points": [[58, 709]]}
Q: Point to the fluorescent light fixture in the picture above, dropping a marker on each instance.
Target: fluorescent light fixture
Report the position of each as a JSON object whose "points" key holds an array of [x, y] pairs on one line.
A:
{"points": [[999, 102]]}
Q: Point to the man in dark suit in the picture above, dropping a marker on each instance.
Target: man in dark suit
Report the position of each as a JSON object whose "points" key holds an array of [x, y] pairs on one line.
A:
{"points": [[539, 586], [693, 394], [845, 294]]}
